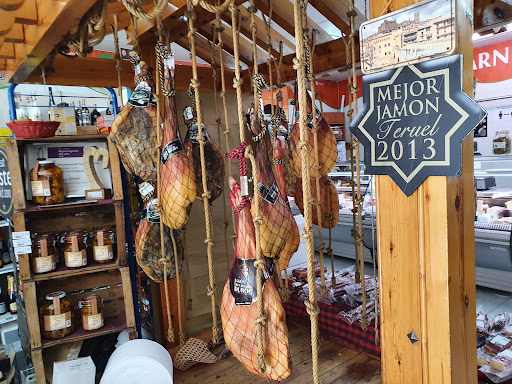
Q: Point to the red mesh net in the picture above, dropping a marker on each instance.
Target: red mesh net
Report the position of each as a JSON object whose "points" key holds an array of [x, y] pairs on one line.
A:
{"points": [[238, 320], [177, 178], [134, 130], [327, 148]]}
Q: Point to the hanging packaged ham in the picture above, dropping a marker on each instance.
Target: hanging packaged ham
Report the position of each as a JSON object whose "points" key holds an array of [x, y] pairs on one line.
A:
{"points": [[327, 147], [147, 246], [329, 204], [274, 209], [239, 308], [215, 170], [177, 179], [293, 241], [134, 129]]}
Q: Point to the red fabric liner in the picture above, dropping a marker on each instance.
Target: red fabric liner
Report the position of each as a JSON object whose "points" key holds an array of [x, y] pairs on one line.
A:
{"points": [[332, 327]]}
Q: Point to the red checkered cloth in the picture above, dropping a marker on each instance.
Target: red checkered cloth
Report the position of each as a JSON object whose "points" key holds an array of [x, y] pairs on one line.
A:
{"points": [[332, 327]]}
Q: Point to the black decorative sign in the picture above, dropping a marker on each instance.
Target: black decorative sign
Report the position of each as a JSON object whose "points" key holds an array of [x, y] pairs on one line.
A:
{"points": [[413, 121], [5, 187]]}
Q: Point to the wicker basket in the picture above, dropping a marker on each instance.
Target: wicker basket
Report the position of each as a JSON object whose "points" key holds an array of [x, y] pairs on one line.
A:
{"points": [[25, 129]]}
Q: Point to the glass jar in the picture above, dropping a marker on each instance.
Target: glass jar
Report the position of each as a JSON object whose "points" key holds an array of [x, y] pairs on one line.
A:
{"points": [[47, 183], [43, 254], [103, 246], [75, 250], [92, 312], [501, 143], [57, 316]]}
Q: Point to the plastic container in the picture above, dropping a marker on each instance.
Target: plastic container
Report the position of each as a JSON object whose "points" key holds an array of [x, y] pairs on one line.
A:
{"points": [[47, 183], [43, 254], [139, 361], [57, 316]]}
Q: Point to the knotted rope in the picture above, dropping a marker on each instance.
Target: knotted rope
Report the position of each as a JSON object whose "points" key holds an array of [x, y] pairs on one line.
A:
{"points": [[299, 65], [133, 6], [117, 56], [211, 289]]}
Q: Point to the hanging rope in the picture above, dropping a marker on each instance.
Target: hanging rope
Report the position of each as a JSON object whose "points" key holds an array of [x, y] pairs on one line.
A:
{"points": [[299, 64], [357, 200], [133, 6], [227, 131], [211, 289], [117, 56]]}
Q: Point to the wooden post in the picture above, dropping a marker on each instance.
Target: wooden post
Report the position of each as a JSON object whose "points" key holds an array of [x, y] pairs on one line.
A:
{"points": [[427, 259]]}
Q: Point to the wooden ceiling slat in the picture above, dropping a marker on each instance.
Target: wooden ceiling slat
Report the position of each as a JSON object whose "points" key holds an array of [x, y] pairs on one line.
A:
{"points": [[27, 13], [330, 14], [6, 22], [7, 51], [227, 45], [263, 6], [15, 35], [3, 65], [144, 26]]}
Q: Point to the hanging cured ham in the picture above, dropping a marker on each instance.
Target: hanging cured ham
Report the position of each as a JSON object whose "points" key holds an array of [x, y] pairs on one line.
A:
{"points": [[215, 170], [239, 307], [274, 209], [329, 205], [177, 179], [147, 246], [327, 148], [293, 241], [134, 129]]}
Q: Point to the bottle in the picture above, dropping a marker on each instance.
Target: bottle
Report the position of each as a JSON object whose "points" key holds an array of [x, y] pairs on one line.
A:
{"points": [[51, 103], [86, 116], [4, 251], [3, 305], [80, 115], [109, 109], [94, 115], [11, 295], [77, 118]]}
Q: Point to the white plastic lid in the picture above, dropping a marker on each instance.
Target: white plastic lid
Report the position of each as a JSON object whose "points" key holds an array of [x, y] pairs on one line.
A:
{"points": [[59, 294], [44, 162]]}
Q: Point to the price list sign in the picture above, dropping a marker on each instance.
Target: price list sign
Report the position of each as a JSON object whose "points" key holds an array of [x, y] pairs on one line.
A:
{"points": [[413, 121]]}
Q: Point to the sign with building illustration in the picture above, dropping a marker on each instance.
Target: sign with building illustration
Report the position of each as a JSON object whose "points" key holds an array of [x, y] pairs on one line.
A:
{"points": [[413, 121], [420, 32]]}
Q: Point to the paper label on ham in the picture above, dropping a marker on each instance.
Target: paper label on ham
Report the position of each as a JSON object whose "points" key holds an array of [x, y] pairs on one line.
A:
{"points": [[170, 149], [309, 118], [242, 281], [193, 133], [244, 186], [268, 194], [151, 213], [142, 96]]}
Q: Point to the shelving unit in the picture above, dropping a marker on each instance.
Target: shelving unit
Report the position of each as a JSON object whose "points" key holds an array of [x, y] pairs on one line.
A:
{"points": [[111, 280]]}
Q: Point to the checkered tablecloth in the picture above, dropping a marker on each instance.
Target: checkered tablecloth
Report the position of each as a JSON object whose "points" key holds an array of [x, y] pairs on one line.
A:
{"points": [[332, 327]]}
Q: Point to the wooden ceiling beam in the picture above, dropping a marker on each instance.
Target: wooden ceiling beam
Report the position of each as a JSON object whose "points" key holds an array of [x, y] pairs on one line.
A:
{"points": [[263, 6], [322, 7], [225, 46]]}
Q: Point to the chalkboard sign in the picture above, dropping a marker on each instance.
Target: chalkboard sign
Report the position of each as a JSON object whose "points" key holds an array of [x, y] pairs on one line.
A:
{"points": [[413, 121], [5, 186]]}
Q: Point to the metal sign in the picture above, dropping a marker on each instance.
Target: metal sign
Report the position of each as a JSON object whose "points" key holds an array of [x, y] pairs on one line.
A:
{"points": [[420, 32], [5, 187], [413, 121]]}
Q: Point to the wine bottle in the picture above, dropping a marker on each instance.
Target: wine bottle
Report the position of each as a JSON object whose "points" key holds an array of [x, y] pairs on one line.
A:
{"points": [[86, 117], [94, 115], [51, 103], [3, 305], [77, 117], [11, 295]]}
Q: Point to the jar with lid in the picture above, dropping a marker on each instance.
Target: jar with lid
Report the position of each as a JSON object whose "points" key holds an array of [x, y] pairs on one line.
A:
{"points": [[47, 183], [56, 316], [75, 250], [43, 254], [92, 312], [103, 246], [501, 143]]}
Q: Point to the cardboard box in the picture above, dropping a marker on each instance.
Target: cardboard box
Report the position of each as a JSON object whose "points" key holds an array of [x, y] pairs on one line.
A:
{"points": [[105, 123], [79, 371], [87, 130], [66, 116]]}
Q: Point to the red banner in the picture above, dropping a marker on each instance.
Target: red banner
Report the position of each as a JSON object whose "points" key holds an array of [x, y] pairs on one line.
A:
{"points": [[493, 63]]}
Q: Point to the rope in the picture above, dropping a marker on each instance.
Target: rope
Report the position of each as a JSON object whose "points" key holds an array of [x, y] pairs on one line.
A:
{"points": [[117, 56], [311, 304], [133, 6], [357, 231], [178, 287], [163, 256], [206, 194], [237, 80], [212, 8]]}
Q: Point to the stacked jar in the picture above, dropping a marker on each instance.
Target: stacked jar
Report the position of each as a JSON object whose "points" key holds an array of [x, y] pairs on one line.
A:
{"points": [[44, 254], [103, 246], [47, 183], [57, 316], [75, 250]]}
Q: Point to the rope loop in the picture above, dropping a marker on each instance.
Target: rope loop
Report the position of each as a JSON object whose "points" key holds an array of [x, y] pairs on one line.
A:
{"points": [[261, 320], [209, 241], [211, 290], [258, 219], [237, 82], [312, 309], [260, 264], [133, 6], [298, 64]]}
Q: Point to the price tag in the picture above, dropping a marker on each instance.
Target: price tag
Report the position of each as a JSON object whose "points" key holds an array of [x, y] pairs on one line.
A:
{"points": [[244, 186], [22, 250], [146, 189], [21, 243], [21, 235]]}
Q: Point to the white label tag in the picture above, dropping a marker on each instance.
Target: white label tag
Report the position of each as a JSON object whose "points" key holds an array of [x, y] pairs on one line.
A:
{"points": [[170, 62], [506, 353], [500, 341], [244, 185], [22, 250], [21, 235], [146, 189], [95, 194], [21, 242], [103, 252], [500, 145], [137, 69]]}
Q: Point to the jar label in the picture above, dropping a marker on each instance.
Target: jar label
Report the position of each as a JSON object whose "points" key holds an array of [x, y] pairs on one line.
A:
{"points": [[500, 145], [13, 307], [90, 322], [44, 264], [75, 259], [103, 252], [56, 322], [41, 188]]}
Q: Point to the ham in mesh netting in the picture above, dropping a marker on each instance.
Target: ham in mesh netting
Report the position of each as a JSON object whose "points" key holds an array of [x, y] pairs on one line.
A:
{"points": [[274, 209], [215, 169], [147, 246], [329, 204], [239, 307], [134, 129], [327, 147], [177, 179]]}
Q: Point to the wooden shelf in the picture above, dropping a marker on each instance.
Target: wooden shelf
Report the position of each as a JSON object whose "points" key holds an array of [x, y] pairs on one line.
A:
{"points": [[76, 203], [71, 138], [62, 271], [112, 325]]}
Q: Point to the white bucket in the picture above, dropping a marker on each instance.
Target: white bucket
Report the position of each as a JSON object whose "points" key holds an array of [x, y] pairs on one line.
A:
{"points": [[139, 361]]}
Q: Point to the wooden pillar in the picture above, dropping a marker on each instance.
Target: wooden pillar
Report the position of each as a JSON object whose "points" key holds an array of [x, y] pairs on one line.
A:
{"points": [[426, 255]]}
